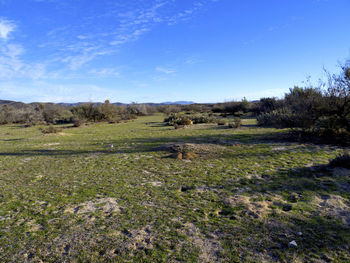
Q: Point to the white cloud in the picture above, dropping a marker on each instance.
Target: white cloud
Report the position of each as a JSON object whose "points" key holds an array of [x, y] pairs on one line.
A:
{"points": [[126, 23], [165, 70], [46, 92], [72, 47], [6, 27], [106, 72], [192, 61]]}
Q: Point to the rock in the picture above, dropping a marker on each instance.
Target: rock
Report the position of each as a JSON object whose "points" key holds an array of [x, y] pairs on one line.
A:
{"points": [[292, 244], [300, 234]]}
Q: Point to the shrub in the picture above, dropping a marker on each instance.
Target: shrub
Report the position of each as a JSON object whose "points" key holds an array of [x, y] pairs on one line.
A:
{"points": [[267, 105], [53, 113], [169, 109], [233, 107], [202, 119], [186, 121], [178, 120], [277, 119], [320, 112], [77, 122], [105, 112], [51, 129], [237, 122]]}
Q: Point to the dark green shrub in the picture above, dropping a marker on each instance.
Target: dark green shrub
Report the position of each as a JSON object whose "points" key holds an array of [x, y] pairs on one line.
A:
{"points": [[77, 122], [178, 120], [51, 129], [53, 113], [237, 122], [277, 119], [267, 105], [320, 112], [196, 119]]}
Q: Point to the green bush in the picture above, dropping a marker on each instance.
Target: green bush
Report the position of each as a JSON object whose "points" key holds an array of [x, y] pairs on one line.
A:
{"points": [[321, 112], [196, 119], [51, 129], [237, 122], [77, 122], [277, 119]]}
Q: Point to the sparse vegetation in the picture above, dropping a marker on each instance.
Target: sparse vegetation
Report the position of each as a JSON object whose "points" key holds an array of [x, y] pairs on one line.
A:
{"points": [[145, 192], [130, 202]]}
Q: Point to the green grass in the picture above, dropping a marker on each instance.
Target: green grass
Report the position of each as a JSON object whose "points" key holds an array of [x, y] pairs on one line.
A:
{"points": [[229, 205]]}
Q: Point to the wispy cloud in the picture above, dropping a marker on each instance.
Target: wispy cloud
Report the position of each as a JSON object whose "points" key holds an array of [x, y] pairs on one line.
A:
{"points": [[6, 27], [193, 60], [165, 70], [126, 23], [47, 92], [105, 72], [72, 47]]}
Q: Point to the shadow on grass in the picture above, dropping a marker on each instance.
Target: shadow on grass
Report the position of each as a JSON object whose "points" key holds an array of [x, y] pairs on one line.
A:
{"points": [[141, 145], [13, 140]]}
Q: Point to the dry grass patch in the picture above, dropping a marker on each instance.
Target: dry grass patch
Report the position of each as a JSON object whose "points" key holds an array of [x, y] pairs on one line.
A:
{"points": [[334, 206], [254, 207]]}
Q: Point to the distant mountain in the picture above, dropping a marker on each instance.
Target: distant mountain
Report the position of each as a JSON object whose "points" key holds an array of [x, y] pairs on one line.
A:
{"points": [[124, 104], [15, 104], [3, 102], [178, 103], [21, 104]]}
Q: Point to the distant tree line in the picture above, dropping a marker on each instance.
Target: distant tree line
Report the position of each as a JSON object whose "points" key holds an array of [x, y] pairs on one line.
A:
{"points": [[50, 113], [323, 110]]}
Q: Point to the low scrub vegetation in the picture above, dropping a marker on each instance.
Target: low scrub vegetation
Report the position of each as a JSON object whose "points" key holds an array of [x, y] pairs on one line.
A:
{"points": [[321, 111], [49, 113], [188, 119], [50, 129], [145, 192]]}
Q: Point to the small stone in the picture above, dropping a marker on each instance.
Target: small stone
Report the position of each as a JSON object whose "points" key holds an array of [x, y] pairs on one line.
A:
{"points": [[293, 244], [300, 234]]}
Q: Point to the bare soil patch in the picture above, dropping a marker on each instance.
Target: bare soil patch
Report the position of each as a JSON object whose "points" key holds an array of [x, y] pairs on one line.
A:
{"points": [[106, 205]]}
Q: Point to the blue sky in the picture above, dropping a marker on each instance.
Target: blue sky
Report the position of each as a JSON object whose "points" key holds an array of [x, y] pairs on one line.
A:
{"points": [[167, 50]]}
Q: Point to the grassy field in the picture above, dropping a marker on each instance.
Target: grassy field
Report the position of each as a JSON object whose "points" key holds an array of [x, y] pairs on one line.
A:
{"points": [[71, 197]]}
